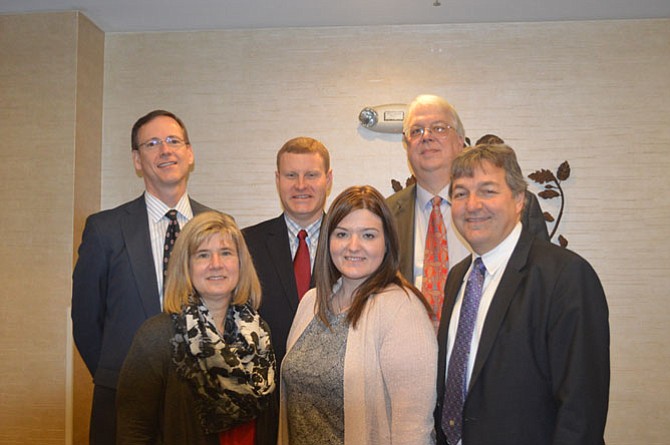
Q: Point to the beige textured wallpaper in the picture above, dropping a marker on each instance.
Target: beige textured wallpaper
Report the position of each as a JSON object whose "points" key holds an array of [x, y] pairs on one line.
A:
{"points": [[87, 182], [51, 108], [593, 93]]}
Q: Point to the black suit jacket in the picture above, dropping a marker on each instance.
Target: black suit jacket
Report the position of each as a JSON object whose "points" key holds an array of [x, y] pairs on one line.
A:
{"points": [[269, 246], [402, 207], [114, 287], [541, 374]]}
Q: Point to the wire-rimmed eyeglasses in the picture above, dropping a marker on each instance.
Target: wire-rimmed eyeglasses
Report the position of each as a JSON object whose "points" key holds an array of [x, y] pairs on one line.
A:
{"points": [[170, 141], [439, 130]]}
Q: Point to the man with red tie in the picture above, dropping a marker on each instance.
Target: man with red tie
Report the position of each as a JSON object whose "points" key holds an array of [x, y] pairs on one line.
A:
{"points": [[283, 248]]}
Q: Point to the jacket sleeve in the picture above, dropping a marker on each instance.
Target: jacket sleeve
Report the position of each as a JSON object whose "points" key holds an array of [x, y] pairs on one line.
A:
{"points": [[89, 292], [578, 345]]}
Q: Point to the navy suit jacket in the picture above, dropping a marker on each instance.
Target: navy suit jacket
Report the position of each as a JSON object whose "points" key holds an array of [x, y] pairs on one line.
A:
{"points": [[402, 207], [541, 374], [269, 246], [114, 287]]}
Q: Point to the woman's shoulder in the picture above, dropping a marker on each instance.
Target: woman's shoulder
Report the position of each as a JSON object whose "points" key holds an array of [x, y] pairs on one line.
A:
{"points": [[157, 325], [396, 291], [399, 308], [396, 295], [310, 295], [152, 339]]}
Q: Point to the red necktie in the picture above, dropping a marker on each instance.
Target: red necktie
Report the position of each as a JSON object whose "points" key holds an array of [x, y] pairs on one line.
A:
{"points": [[301, 265], [435, 260]]}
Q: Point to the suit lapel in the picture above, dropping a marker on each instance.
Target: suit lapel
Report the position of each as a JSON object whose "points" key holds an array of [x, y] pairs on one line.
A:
{"points": [[196, 207], [135, 232], [404, 213], [279, 249], [505, 293], [451, 289]]}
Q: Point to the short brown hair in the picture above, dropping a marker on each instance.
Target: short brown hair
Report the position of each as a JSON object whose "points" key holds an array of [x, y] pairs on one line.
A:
{"points": [[179, 290], [500, 155], [141, 122], [305, 145]]}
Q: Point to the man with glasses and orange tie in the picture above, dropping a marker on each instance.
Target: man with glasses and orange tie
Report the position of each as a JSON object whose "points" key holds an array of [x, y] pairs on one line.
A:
{"points": [[118, 280], [433, 136]]}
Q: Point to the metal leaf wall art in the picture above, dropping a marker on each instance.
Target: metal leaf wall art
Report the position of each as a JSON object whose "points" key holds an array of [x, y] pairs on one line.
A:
{"points": [[550, 181], [552, 189]]}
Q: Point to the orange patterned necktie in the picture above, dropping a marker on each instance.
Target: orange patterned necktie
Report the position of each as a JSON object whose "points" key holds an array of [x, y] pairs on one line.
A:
{"points": [[435, 261]]}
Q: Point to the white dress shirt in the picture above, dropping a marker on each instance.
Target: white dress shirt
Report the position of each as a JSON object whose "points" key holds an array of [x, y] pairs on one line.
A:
{"points": [[495, 262], [158, 224], [312, 239]]}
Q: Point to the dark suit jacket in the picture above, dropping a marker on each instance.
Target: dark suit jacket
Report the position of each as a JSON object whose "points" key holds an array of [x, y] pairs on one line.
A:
{"points": [[541, 374], [402, 207], [114, 287], [269, 246]]}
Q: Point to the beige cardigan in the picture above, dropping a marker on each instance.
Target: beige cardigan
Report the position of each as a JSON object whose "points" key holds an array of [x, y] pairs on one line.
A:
{"points": [[390, 371]]}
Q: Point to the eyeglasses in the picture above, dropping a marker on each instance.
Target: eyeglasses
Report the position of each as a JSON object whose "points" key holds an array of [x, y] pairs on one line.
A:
{"points": [[170, 141], [440, 131]]}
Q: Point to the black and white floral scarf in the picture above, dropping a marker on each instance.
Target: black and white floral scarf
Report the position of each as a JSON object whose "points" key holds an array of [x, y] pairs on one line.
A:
{"points": [[232, 376]]}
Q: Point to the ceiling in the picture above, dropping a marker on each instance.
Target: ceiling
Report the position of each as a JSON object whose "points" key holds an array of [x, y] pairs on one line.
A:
{"points": [[185, 15]]}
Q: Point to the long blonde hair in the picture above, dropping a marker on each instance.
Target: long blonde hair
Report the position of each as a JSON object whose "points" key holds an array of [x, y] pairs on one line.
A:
{"points": [[179, 288]]}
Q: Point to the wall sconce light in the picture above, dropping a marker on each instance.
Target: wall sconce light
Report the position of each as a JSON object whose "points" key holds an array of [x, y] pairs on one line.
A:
{"points": [[383, 118]]}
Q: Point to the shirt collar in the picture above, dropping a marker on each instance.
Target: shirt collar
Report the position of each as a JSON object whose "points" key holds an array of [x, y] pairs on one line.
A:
{"points": [[498, 256], [423, 196], [157, 208], [294, 227]]}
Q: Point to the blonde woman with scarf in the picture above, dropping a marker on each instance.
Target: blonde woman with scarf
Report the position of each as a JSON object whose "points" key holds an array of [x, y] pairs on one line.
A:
{"points": [[202, 372]]}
